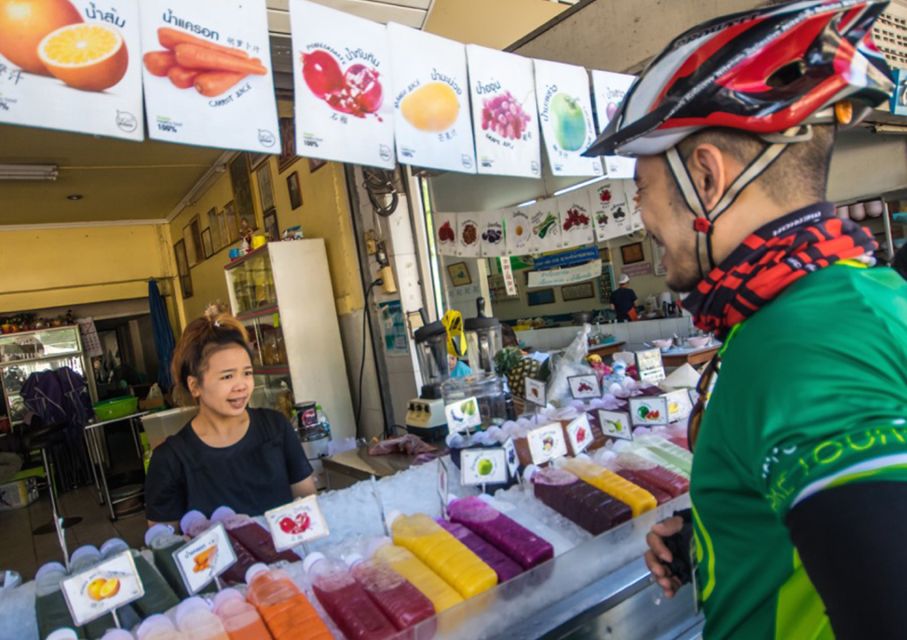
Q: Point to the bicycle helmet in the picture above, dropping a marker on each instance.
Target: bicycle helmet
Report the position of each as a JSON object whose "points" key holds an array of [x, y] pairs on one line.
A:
{"points": [[772, 71]]}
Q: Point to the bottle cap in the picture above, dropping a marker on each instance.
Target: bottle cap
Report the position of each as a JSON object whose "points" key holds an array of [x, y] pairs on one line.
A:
{"points": [[529, 471], [310, 561], [88, 551], [63, 634], [226, 595], [49, 567], [222, 513], [188, 606], [393, 515], [157, 530], [113, 547], [118, 634], [191, 519], [254, 570], [154, 622], [353, 559], [377, 543]]}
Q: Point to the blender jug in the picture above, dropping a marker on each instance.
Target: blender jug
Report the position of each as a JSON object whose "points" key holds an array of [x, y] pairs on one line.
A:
{"points": [[483, 339]]}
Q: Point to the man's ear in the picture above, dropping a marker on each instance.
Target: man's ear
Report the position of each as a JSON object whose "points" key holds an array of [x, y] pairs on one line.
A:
{"points": [[709, 174]]}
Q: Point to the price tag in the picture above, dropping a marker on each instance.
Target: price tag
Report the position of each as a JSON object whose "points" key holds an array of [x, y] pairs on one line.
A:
{"points": [[442, 487], [297, 522], [584, 387], [483, 466], [513, 460], [579, 433], [547, 443], [463, 415], [536, 392], [102, 588], [204, 558], [650, 365], [615, 424]]}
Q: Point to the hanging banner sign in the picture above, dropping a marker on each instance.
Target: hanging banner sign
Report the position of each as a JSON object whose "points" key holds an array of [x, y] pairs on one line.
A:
{"points": [[491, 227], [430, 90], [566, 258], [633, 206], [468, 238], [519, 232], [576, 218], [504, 113], [560, 277], [609, 90], [341, 73], [565, 117], [207, 74], [73, 66], [610, 212], [545, 226], [446, 233], [509, 281]]}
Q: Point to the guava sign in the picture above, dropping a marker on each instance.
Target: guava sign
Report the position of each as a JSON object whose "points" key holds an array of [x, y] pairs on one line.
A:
{"points": [[565, 115], [483, 466]]}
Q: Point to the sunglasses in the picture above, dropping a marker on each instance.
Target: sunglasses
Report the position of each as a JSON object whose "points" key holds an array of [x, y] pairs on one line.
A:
{"points": [[704, 390]]}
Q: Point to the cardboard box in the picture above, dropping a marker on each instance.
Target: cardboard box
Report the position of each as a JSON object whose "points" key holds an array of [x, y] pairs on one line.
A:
{"points": [[18, 494]]}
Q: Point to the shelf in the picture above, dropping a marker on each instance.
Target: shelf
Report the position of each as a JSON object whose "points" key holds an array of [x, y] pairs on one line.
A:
{"points": [[257, 313], [235, 263], [45, 329], [275, 370], [59, 356]]}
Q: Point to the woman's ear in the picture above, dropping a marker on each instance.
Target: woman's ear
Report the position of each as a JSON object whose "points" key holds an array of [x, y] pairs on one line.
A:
{"points": [[194, 386], [709, 174]]}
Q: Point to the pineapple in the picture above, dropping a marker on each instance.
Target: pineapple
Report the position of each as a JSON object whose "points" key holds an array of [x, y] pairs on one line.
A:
{"points": [[510, 362]]}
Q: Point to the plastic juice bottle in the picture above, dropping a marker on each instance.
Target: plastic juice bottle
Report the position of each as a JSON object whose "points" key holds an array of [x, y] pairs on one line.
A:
{"points": [[578, 501], [638, 499], [640, 480], [252, 536], [668, 451], [403, 561], [82, 559], [65, 634], [624, 448], [447, 556], [283, 607], [159, 597], [401, 603], [518, 542], [240, 618], [163, 542], [344, 599], [196, 620], [50, 606], [502, 564], [236, 574], [118, 634], [158, 627], [658, 476]]}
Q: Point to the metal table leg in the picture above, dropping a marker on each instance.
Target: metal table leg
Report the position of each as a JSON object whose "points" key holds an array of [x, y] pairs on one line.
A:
{"points": [[104, 486], [86, 436]]}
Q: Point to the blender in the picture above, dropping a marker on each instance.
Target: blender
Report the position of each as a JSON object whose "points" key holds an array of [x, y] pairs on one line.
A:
{"points": [[483, 339], [425, 415]]}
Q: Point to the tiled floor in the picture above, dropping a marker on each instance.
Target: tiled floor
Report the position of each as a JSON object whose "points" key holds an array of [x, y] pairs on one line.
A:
{"points": [[23, 552]]}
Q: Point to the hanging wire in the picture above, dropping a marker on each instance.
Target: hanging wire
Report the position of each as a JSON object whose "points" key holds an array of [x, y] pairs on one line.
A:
{"points": [[382, 190]]}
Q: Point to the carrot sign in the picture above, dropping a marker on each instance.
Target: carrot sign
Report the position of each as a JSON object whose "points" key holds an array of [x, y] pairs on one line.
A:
{"points": [[190, 61]]}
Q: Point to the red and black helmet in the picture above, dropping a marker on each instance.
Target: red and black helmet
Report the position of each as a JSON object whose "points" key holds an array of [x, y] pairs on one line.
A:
{"points": [[763, 71]]}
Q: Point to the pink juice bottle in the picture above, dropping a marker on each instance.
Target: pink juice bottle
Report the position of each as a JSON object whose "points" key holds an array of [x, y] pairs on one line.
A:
{"points": [[402, 604], [502, 564], [518, 542], [195, 523], [252, 536], [578, 501], [240, 618], [344, 599]]}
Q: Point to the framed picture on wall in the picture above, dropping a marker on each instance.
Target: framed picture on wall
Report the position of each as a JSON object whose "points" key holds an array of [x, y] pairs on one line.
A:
{"points": [[605, 254], [287, 144], [207, 243], [213, 229], [632, 253], [658, 255], [579, 291], [182, 268], [272, 229], [459, 274], [255, 159], [242, 187], [193, 246], [540, 296], [606, 284], [294, 190], [315, 164], [231, 223], [265, 186]]}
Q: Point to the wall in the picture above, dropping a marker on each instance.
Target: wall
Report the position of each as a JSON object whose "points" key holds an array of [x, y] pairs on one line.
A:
{"points": [[494, 24]]}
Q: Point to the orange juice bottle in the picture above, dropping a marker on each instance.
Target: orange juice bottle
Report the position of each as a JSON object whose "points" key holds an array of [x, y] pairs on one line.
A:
{"points": [[240, 618], [638, 499], [447, 556], [401, 560], [284, 608]]}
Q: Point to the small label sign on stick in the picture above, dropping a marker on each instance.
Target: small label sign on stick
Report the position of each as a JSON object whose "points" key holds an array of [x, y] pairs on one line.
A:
{"points": [[536, 392], [483, 466], [584, 386], [204, 558], [103, 588], [547, 443], [297, 522], [615, 424], [463, 415], [513, 460], [579, 433]]}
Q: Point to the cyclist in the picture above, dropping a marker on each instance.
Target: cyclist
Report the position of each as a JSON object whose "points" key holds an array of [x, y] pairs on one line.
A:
{"points": [[799, 482]]}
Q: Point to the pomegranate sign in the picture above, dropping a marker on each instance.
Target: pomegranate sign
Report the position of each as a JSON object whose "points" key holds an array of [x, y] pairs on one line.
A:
{"points": [[297, 522], [344, 106], [504, 113]]}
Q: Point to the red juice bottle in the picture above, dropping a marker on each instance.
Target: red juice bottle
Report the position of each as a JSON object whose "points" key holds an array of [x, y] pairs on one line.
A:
{"points": [[252, 536], [655, 475], [402, 604], [640, 479]]}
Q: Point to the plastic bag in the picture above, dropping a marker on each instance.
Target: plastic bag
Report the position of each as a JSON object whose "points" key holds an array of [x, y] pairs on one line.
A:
{"points": [[571, 363]]}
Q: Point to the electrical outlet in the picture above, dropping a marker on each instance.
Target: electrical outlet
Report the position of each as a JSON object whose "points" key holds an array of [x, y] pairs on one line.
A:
{"points": [[371, 242]]}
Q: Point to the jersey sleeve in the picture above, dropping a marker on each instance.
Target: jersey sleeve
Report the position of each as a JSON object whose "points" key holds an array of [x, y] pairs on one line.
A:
{"points": [[165, 491]]}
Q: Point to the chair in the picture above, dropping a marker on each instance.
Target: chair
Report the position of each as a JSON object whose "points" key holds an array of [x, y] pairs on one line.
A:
{"points": [[46, 438]]}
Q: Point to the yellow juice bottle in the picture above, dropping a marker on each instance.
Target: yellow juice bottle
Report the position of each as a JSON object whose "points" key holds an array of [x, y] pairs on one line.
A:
{"points": [[638, 499], [402, 561], [444, 554]]}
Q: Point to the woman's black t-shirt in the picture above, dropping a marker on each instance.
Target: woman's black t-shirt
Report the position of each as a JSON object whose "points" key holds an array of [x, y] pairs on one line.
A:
{"points": [[250, 476]]}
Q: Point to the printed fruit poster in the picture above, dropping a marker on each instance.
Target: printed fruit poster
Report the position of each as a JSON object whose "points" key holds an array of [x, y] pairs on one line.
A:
{"points": [[609, 90], [446, 230], [519, 232], [468, 239], [207, 71], [430, 90], [342, 76], [610, 212], [72, 65], [492, 227], [544, 226], [576, 218], [565, 116], [504, 114], [633, 206]]}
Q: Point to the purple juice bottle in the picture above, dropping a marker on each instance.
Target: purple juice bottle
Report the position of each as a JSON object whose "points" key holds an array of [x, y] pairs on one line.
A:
{"points": [[488, 553], [252, 536], [515, 540], [578, 501]]}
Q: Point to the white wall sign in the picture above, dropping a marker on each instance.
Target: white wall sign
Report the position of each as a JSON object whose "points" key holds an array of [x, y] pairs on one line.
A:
{"points": [[576, 218], [218, 90], [610, 212], [547, 443], [504, 114], [483, 466], [446, 233], [102, 588], [519, 232], [565, 116], [544, 226], [615, 424], [569, 275], [432, 120], [342, 82], [75, 67], [609, 89], [492, 238], [469, 237], [204, 558], [297, 522]]}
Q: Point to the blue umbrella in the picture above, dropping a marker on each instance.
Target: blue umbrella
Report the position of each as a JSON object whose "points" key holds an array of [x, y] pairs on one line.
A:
{"points": [[163, 335]]}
